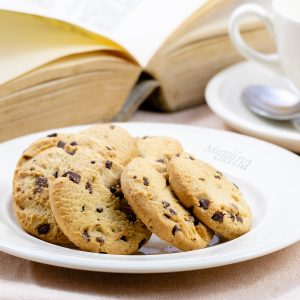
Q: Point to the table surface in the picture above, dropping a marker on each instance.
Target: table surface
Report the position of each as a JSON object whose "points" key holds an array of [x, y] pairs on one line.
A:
{"points": [[276, 275]]}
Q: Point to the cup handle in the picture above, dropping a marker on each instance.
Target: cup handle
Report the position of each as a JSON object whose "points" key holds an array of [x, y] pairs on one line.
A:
{"points": [[271, 61]]}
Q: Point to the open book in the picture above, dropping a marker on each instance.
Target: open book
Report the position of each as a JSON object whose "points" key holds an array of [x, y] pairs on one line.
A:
{"points": [[73, 62]]}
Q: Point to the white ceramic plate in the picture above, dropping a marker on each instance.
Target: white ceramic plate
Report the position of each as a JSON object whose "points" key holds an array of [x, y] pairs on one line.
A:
{"points": [[223, 97], [266, 174]]}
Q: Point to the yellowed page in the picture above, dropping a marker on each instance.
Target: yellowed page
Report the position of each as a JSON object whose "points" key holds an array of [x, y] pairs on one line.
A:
{"points": [[140, 26], [28, 42]]}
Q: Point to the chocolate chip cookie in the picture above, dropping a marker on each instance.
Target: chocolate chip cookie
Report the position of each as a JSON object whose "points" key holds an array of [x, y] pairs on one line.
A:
{"points": [[153, 202], [33, 179], [158, 150], [69, 143], [216, 201], [119, 139], [95, 217]]}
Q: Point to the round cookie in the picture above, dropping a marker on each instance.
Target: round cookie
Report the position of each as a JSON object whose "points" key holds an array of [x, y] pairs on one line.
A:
{"points": [[70, 143], [33, 179], [120, 140], [216, 201], [96, 218], [158, 150], [153, 202]]}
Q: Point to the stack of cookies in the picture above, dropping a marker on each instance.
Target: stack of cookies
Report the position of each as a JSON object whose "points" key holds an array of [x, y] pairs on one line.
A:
{"points": [[104, 191]]}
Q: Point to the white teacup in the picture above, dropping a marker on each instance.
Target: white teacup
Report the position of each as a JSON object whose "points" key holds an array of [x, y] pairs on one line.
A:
{"points": [[284, 22]]}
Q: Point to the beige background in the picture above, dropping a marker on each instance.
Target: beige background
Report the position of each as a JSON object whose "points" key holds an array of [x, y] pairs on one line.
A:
{"points": [[273, 276]]}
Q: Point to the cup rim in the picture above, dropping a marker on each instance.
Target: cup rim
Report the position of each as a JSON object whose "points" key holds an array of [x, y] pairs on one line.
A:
{"points": [[282, 12]]}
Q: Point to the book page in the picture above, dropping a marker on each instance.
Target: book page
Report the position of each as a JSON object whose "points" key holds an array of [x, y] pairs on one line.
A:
{"points": [[140, 26], [28, 42]]}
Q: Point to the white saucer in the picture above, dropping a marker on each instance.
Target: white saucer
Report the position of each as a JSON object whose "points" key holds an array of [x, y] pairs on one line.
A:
{"points": [[266, 174], [223, 97]]}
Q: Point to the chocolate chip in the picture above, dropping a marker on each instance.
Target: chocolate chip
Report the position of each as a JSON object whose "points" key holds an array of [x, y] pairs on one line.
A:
{"points": [[175, 229], [71, 152], [160, 160], [99, 209], [191, 158], [167, 182], [108, 148], [196, 221], [201, 178], [100, 240], [103, 252], [232, 216], [131, 217], [167, 216], [134, 177], [55, 174], [112, 127], [116, 191], [146, 181], [86, 236], [123, 238], [178, 155], [145, 137], [44, 228], [82, 208], [142, 243], [88, 187], [217, 176], [218, 216], [32, 169], [93, 162], [61, 144], [204, 203], [165, 204], [238, 218], [40, 183], [52, 135], [73, 143], [172, 211], [72, 176], [108, 164]]}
